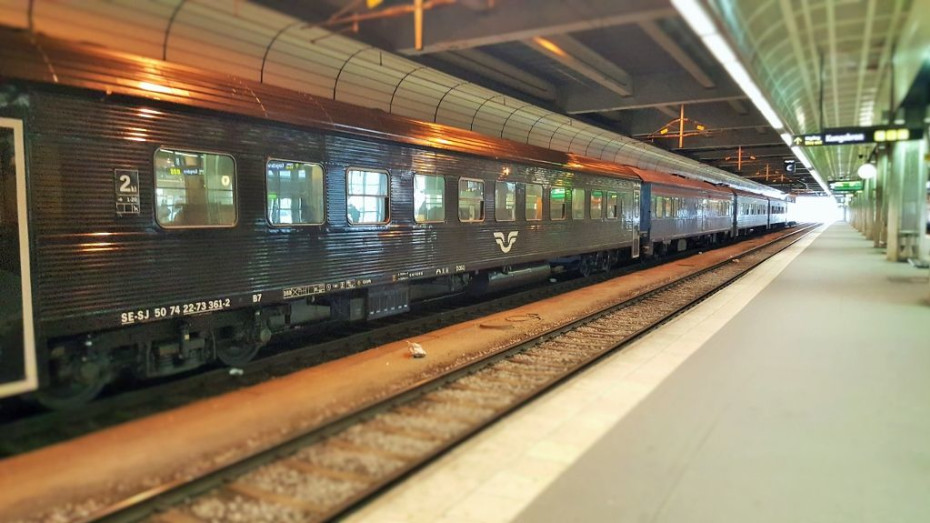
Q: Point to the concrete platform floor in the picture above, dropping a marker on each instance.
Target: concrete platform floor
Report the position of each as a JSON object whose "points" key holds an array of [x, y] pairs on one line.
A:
{"points": [[802, 393]]}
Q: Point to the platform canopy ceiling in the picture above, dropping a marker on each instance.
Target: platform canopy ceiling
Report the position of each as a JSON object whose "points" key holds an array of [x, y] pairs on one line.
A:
{"points": [[823, 64], [627, 66], [580, 76]]}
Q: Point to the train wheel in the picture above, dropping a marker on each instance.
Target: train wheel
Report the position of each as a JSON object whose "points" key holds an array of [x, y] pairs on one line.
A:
{"points": [[236, 354], [587, 266], [83, 384]]}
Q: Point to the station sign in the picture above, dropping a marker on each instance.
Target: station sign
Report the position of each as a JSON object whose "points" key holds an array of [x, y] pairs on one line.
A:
{"points": [[858, 135], [846, 185]]}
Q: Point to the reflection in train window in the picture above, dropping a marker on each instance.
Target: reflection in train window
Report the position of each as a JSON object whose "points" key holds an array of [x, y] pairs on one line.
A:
{"points": [[368, 197], [597, 205], [505, 201], [194, 189], [427, 198], [471, 200], [613, 205], [295, 193], [578, 204], [534, 205], [557, 203]]}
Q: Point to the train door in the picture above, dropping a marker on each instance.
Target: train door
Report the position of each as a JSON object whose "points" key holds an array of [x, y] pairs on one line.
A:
{"points": [[17, 338], [636, 220]]}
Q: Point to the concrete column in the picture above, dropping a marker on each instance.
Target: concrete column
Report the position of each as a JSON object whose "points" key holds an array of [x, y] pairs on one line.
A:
{"points": [[863, 208], [907, 191], [894, 188], [881, 200], [922, 212]]}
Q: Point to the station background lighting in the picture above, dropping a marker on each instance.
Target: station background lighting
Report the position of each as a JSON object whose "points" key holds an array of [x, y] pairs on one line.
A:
{"points": [[867, 171], [701, 23]]}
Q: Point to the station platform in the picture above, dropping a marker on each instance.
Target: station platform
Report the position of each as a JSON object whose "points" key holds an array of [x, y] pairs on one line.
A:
{"points": [[799, 393]]}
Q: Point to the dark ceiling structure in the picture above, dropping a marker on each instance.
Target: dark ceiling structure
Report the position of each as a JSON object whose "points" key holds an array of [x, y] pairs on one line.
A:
{"points": [[631, 66]]}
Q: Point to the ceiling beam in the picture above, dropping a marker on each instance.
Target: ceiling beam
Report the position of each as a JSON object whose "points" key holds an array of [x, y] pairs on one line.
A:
{"points": [[500, 71], [667, 110], [738, 106], [698, 145], [458, 27], [716, 117], [649, 91], [675, 51], [578, 57], [759, 151]]}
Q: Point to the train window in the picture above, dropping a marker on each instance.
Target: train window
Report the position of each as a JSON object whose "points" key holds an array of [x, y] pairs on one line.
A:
{"points": [[578, 204], [668, 208], [613, 205], [557, 203], [471, 200], [597, 205], [295, 192], [428, 194], [194, 189], [636, 205], [534, 206], [505, 201], [368, 196]]}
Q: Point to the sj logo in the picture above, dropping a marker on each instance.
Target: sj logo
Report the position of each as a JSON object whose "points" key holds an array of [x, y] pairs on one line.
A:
{"points": [[506, 245]]}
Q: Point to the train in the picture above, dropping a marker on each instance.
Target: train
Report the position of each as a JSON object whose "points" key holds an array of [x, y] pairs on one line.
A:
{"points": [[155, 218]]}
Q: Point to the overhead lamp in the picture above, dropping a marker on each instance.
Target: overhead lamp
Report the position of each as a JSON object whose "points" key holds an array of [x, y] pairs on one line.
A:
{"points": [[867, 171], [696, 16], [801, 156], [700, 22], [719, 48], [550, 46]]}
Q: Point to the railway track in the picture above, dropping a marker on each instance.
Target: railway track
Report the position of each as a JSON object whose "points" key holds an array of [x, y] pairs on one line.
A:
{"points": [[325, 473], [38, 428]]}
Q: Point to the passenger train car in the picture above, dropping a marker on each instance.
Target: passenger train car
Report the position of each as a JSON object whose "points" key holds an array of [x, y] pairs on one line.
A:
{"points": [[154, 218]]}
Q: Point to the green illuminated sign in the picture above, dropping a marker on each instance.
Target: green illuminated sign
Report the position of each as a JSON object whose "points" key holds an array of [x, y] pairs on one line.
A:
{"points": [[846, 186]]}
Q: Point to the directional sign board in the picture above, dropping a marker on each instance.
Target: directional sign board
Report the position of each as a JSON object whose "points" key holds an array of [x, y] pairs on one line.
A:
{"points": [[858, 135], [846, 186]]}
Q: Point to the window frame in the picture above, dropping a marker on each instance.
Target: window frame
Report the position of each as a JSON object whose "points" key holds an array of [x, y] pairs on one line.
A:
{"points": [[183, 227], [565, 208], [496, 215], [387, 209], [458, 199], [323, 199], [607, 206], [584, 203], [542, 198], [444, 199], [601, 209]]}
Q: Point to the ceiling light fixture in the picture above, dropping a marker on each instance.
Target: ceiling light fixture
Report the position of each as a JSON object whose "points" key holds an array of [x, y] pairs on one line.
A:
{"points": [[699, 21], [867, 171]]}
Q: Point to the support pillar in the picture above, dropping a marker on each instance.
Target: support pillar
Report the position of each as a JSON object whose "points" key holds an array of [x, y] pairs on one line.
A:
{"points": [[881, 200], [907, 190], [923, 213]]}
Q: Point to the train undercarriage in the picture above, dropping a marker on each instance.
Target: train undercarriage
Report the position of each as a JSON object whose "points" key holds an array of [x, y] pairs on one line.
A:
{"points": [[78, 368]]}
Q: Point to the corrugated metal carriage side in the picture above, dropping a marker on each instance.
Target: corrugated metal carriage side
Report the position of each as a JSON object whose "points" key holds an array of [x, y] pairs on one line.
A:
{"points": [[779, 209], [109, 284], [751, 213], [679, 212]]}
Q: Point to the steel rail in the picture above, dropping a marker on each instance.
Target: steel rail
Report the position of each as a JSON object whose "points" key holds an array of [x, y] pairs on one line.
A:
{"points": [[173, 494]]}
